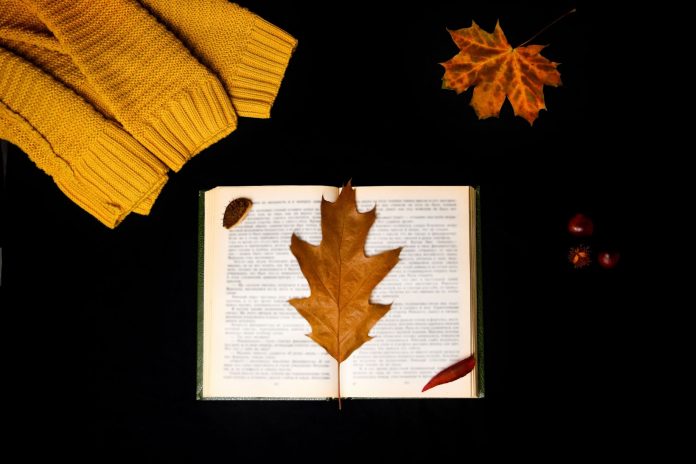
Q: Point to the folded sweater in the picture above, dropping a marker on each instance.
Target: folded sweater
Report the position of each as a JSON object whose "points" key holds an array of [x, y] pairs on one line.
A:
{"points": [[171, 75]]}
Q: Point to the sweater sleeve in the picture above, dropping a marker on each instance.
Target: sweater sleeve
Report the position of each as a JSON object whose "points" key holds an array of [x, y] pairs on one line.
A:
{"points": [[92, 160], [153, 85], [248, 53], [23, 33]]}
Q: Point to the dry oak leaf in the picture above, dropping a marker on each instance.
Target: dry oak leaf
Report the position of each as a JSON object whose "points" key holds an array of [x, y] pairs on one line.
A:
{"points": [[497, 70], [341, 278]]}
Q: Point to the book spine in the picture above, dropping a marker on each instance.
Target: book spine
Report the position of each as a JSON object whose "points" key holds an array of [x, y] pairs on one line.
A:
{"points": [[199, 323]]}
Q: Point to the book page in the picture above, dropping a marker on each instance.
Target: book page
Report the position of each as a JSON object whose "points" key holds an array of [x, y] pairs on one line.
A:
{"points": [[429, 325], [254, 340]]}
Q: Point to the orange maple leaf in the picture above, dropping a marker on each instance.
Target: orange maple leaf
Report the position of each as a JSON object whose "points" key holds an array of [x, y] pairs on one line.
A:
{"points": [[497, 70], [341, 278]]}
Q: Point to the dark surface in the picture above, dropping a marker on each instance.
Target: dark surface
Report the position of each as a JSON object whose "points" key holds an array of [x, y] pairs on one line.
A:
{"points": [[99, 325]]}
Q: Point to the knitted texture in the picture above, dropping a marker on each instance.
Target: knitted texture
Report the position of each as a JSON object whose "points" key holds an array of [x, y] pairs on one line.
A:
{"points": [[93, 161], [119, 47], [247, 53], [22, 32], [144, 76]]}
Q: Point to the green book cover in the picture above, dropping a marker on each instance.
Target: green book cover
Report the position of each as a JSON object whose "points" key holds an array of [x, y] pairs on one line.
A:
{"points": [[478, 285], [199, 318]]}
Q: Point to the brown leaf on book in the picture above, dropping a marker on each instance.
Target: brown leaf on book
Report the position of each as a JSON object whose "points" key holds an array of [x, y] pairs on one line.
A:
{"points": [[341, 278]]}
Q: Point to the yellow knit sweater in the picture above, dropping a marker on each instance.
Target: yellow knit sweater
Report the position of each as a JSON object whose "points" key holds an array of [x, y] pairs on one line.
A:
{"points": [[107, 95]]}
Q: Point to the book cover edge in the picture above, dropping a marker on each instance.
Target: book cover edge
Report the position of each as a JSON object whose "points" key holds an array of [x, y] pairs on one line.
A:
{"points": [[199, 315], [479, 299]]}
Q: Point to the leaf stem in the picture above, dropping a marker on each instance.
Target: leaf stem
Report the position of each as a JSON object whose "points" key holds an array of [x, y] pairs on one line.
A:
{"points": [[339, 386], [548, 26]]}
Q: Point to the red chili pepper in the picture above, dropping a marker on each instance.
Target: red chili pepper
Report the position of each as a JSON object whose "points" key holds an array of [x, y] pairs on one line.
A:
{"points": [[454, 372]]}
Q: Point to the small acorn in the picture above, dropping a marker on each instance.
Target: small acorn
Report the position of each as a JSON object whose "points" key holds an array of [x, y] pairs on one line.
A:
{"points": [[236, 211], [580, 225], [579, 256], [608, 259]]}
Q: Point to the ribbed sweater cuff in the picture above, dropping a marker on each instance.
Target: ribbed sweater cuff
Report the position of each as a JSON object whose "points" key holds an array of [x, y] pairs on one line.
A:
{"points": [[189, 123], [261, 69], [114, 177]]}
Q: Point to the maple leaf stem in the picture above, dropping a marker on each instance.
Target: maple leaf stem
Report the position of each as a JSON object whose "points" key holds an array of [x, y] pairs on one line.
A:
{"points": [[547, 26]]}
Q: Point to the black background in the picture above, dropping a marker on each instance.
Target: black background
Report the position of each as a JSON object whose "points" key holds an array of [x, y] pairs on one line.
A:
{"points": [[99, 326]]}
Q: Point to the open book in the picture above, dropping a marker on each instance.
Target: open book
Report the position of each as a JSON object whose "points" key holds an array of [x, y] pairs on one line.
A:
{"points": [[252, 342]]}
